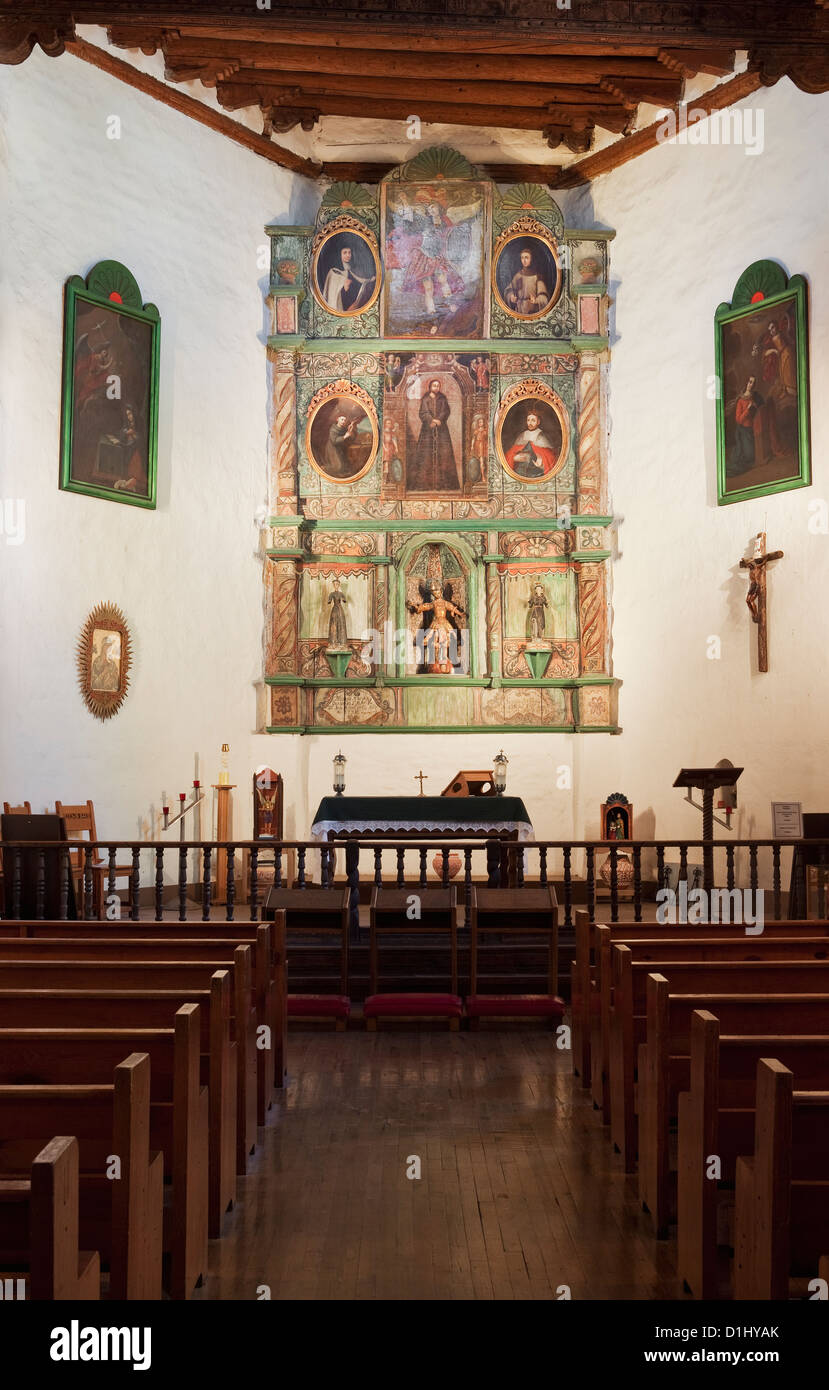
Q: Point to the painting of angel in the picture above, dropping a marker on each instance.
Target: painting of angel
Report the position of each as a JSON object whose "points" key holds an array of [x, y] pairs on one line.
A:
{"points": [[434, 258]]}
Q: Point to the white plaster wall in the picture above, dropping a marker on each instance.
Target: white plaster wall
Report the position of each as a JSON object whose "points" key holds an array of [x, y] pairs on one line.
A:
{"points": [[184, 209]]}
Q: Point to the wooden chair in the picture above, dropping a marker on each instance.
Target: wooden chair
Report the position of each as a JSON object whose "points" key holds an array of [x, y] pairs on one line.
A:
{"points": [[24, 809], [324, 912], [506, 912], [80, 825], [437, 912]]}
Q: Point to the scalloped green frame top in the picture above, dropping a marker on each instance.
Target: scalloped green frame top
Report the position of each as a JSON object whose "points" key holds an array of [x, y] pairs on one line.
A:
{"points": [[762, 279], [111, 280]]}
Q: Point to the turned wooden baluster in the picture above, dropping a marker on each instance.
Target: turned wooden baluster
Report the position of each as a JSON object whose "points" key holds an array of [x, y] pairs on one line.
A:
{"points": [[614, 884], [542, 866], [378, 867], [591, 884], [64, 884], [159, 883], [16, 883], [207, 886], [135, 881], [637, 883], [401, 878], [729, 861], [254, 881], [112, 891], [423, 868], [775, 859], [300, 867], [40, 896], [568, 887], [182, 885], [88, 895], [467, 887], [230, 892]]}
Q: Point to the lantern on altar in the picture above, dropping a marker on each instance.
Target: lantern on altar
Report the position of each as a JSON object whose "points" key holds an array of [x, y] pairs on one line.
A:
{"points": [[500, 772], [339, 773]]}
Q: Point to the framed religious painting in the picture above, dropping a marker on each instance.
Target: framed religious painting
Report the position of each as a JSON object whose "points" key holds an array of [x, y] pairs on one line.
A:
{"points": [[104, 659], [435, 258], [526, 274], [345, 268], [762, 367], [109, 428], [532, 432], [341, 435]]}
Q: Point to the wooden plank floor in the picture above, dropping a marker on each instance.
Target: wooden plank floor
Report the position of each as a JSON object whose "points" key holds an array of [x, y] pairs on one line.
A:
{"points": [[520, 1192]]}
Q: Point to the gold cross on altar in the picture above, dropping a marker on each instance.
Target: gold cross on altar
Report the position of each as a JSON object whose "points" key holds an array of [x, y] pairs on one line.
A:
{"points": [[421, 777], [756, 596]]}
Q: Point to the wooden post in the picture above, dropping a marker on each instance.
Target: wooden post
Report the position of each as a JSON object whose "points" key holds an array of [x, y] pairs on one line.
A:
{"points": [[224, 830]]}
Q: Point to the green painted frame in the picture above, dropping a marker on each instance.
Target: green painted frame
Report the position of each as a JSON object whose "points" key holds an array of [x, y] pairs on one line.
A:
{"points": [[112, 286], [764, 285]]}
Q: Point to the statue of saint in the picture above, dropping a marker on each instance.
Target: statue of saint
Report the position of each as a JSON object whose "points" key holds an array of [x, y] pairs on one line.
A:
{"points": [[538, 618], [337, 635]]}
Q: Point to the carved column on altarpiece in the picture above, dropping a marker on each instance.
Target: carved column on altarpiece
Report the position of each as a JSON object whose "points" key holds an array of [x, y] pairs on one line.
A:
{"points": [[493, 617], [590, 417], [282, 472], [592, 618]]}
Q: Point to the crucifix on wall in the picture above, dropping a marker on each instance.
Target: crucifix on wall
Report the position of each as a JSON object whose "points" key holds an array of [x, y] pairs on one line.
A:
{"points": [[756, 596]]}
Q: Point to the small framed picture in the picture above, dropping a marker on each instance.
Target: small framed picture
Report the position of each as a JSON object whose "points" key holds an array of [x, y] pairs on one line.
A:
{"points": [[787, 820], [104, 659]]}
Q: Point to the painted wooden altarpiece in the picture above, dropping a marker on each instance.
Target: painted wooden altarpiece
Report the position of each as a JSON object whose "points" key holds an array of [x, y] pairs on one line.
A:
{"points": [[436, 554]]}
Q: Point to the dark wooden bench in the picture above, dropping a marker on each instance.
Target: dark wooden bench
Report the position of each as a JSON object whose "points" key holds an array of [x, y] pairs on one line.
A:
{"points": [[717, 1116], [585, 1003], [178, 1112], [39, 1225], [119, 1216], [629, 1006], [317, 912], [781, 1213], [160, 975], [130, 1009], [514, 912], [438, 912]]}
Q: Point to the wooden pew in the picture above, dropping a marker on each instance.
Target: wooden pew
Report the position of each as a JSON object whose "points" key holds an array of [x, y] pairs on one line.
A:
{"points": [[178, 1112], [584, 1002], [272, 999], [119, 946], [716, 1117], [663, 1068], [781, 1214], [129, 1009], [673, 948], [628, 1016], [121, 1216], [160, 975], [39, 1225]]}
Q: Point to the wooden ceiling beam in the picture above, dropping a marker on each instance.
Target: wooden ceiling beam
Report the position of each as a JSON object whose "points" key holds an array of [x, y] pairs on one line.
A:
{"points": [[188, 106], [474, 93], [468, 67], [689, 61], [234, 96], [622, 151]]}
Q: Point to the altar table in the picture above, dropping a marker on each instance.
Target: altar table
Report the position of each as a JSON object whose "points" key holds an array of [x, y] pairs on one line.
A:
{"points": [[422, 817]]}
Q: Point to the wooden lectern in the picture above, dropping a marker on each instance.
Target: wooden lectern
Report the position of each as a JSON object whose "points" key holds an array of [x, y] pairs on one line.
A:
{"points": [[708, 780]]}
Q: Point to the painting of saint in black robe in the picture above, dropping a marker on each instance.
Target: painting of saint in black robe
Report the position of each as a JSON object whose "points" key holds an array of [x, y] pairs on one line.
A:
{"points": [[433, 467]]}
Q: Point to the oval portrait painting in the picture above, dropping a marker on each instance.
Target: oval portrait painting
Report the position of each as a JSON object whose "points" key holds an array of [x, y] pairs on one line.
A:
{"points": [[341, 438], [345, 273], [531, 437], [527, 277]]}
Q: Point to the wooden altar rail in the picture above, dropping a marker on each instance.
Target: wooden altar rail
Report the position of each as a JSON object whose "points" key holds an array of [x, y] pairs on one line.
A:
{"points": [[503, 862]]}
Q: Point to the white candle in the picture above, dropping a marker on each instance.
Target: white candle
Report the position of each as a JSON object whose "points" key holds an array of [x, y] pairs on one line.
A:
{"points": [[164, 801]]}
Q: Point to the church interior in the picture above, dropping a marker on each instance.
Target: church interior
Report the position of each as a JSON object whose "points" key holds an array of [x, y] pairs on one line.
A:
{"points": [[413, 882]]}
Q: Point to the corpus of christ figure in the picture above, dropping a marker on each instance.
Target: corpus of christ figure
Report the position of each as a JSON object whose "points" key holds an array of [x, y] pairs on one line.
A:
{"points": [[756, 596]]}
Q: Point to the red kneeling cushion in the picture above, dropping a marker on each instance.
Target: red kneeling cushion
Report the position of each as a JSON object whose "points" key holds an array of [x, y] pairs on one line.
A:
{"points": [[515, 1005], [319, 1006], [413, 1005]]}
